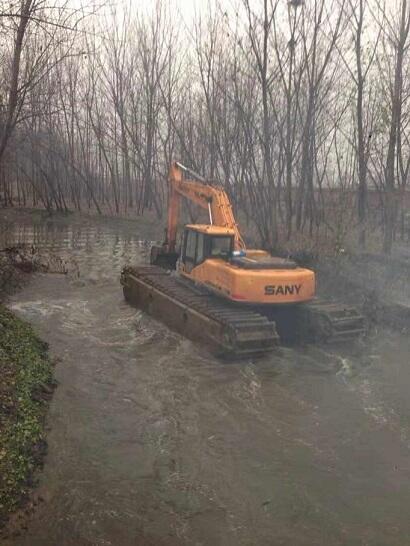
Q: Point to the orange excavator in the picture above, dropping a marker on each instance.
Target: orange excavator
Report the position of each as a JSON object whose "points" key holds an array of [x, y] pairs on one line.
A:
{"points": [[213, 289]]}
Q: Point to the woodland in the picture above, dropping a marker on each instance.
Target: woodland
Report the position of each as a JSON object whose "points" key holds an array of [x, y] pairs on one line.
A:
{"points": [[299, 108]]}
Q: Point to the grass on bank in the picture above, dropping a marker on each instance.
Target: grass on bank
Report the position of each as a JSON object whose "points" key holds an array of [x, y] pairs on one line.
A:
{"points": [[25, 389]]}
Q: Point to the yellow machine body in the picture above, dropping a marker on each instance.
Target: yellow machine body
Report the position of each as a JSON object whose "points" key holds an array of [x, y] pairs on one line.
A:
{"points": [[267, 285]]}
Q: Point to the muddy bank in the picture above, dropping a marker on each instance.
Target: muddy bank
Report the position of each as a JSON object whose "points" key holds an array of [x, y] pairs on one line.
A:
{"points": [[25, 389]]}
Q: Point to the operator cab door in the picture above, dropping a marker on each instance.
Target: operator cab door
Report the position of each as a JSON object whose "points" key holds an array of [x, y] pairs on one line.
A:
{"points": [[192, 250]]}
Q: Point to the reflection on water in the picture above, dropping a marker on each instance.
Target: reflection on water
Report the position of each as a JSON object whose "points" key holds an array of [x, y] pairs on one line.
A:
{"points": [[153, 441]]}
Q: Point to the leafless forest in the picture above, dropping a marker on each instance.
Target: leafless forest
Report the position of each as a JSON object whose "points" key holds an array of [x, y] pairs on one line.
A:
{"points": [[300, 108]]}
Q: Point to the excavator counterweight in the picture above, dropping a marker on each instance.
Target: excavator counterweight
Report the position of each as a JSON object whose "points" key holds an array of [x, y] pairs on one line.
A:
{"points": [[215, 290]]}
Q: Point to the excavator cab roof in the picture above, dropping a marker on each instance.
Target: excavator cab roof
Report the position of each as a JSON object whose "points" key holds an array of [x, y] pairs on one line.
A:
{"points": [[211, 230]]}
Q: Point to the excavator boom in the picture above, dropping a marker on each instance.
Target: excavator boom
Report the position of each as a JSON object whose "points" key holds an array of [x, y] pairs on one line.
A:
{"points": [[211, 198]]}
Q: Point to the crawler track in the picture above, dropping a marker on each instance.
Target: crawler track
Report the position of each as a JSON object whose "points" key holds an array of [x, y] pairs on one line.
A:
{"points": [[225, 328]]}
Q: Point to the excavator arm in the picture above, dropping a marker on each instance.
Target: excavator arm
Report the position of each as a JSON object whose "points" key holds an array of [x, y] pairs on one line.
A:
{"points": [[213, 199]]}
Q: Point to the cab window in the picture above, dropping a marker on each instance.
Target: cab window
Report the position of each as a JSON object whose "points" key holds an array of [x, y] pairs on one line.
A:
{"points": [[221, 247], [190, 245]]}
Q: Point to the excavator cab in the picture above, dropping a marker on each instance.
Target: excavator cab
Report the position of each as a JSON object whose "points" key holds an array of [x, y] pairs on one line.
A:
{"points": [[201, 242]]}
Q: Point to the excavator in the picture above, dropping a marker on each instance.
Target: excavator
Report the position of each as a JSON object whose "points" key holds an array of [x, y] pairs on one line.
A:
{"points": [[239, 302]]}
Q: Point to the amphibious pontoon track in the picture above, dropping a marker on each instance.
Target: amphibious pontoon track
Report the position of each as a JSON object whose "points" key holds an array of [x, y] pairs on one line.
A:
{"points": [[234, 329], [224, 327]]}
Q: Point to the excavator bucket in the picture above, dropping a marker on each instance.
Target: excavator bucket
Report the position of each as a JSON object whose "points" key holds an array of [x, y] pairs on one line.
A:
{"points": [[161, 258]]}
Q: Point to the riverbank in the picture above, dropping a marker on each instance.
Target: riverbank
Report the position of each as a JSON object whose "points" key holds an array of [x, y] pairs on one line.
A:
{"points": [[25, 390]]}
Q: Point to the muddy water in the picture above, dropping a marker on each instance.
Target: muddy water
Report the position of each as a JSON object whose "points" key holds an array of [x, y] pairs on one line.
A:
{"points": [[153, 441]]}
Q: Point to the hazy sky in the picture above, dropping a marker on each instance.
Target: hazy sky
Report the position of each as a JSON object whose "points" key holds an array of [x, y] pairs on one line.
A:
{"points": [[183, 8], [186, 11]]}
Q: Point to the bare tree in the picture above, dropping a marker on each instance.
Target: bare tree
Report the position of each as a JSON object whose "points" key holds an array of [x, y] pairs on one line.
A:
{"points": [[398, 38]]}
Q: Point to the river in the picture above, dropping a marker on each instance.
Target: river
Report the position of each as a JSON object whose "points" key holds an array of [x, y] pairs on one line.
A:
{"points": [[152, 441]]}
